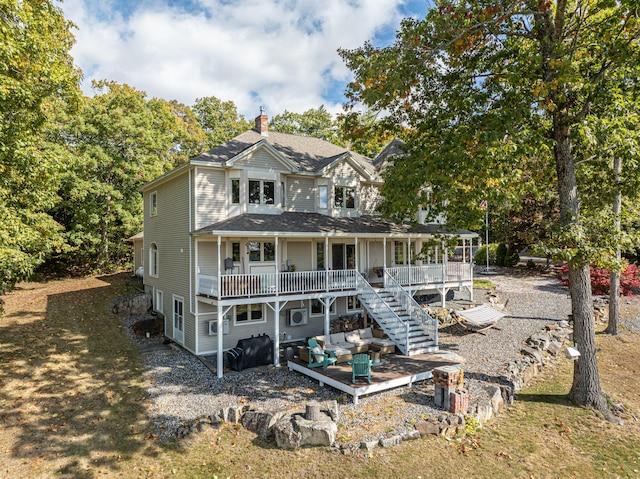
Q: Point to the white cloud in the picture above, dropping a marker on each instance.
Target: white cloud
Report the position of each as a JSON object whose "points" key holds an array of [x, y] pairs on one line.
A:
{"points": [[280, 53]]}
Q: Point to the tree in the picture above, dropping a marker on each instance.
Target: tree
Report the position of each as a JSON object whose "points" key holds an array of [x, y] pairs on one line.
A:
{"points": [[488, 86], [119, 141], [219, 119], [36, 73], [365, 133], [315, 122]]}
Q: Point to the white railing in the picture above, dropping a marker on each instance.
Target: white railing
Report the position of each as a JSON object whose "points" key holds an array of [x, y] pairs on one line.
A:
{"points": [[432, 273], [239, 285]]}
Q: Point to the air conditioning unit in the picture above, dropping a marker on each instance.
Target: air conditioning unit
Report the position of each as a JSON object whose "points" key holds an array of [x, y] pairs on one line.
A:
{"points": [[298, 317], [213, 327]]}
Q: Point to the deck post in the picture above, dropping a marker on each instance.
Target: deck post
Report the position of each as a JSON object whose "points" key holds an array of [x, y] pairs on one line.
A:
{"points": [[276, 332]]}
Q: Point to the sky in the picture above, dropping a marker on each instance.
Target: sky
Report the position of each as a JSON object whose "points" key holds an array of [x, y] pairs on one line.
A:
{"points": [[281, 54]]}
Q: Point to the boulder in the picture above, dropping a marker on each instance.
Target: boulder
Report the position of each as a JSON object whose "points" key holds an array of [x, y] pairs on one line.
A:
{"points": [[286, 435], [390, 441], [132, 305], [426, 428], [261, 422], [495, 397], [315, 433]]}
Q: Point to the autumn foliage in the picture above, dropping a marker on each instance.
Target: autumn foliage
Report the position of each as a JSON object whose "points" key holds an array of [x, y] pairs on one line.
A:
{"points": [[600, 278]]}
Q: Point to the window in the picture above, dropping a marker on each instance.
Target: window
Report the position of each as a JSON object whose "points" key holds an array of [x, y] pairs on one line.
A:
{"points": [[261, 251], [235, 191], [317, 308], [283, 194], [399, 252], [159, 302], [262, 192], [153, 203], [323, 201], [353, 303], [249, 313], [235, 252], [153, 260], [320, 255], [344, 197]]}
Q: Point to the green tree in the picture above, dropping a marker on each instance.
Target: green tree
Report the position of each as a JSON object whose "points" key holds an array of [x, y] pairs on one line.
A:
{"points": [[315, 122], [496, 89], [365, 133], [36, 75], [219, 119], [119, 141]]}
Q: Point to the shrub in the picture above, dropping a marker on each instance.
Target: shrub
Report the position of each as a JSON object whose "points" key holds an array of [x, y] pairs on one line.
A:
{"points": [[501, 254], [600, 279], [481, 255]]}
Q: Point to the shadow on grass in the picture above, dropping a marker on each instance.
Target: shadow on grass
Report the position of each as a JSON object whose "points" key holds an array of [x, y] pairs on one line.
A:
{"points": [[554, 399], [71, 382]]}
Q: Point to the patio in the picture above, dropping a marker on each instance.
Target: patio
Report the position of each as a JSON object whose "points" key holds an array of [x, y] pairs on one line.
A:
{"points": [[395, 371]]}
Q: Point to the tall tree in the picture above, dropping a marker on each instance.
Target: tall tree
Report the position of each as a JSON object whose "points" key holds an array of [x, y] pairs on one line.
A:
{"points": [[219, 119], [366, 133], [36, 71], [489, 86], [316, 122], [120, 140]]}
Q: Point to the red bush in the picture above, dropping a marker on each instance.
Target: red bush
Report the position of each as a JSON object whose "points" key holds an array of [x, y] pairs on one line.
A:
{"points": [[600, 279]]}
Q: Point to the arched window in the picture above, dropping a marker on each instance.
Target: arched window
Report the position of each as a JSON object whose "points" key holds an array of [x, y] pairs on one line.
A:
{"points": [[153, 260]]}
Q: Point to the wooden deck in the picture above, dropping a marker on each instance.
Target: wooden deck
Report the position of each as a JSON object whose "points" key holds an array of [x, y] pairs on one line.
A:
{"points": [[399, 371]]}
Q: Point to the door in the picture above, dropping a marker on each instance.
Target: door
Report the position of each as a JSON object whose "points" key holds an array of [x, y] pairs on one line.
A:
{"points": [[178, 319], [343, 256]]}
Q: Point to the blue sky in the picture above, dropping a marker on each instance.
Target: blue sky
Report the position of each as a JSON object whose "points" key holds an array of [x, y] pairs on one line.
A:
{"points": [[277, 53]]}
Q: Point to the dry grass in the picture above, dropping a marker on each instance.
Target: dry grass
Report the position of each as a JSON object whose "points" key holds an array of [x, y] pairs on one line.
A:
{"points": [[72, 404]]}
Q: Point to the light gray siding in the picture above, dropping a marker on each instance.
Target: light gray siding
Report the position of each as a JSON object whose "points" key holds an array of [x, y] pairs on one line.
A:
{"points": [[211, 197], [207, 262], [299, 253], [301, 195], [261, 159], [169, 230]]}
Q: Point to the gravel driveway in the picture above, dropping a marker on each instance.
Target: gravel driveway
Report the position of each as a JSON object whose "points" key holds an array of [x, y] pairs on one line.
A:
{"points": [[182, 388]]}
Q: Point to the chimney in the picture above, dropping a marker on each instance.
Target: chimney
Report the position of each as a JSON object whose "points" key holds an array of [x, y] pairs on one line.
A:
{"points": [[262, 123]]}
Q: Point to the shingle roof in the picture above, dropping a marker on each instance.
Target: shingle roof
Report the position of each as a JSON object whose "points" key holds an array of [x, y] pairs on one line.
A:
{"points": [[291, 223], [309, 154]]}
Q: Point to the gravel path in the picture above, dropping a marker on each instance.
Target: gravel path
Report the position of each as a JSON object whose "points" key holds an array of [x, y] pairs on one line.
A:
{"points": [[182, 388]]}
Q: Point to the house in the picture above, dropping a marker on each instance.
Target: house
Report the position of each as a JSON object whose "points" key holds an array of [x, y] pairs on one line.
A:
{"points": [[272, 233]]}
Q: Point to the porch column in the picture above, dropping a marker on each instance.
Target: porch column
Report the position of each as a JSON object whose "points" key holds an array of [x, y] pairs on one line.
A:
{"points": [[219, 319], [276, 332], [464, 252], [326, 264], [384, 259], [327, 316], [409, 259], [357, 258], [277, 270]]}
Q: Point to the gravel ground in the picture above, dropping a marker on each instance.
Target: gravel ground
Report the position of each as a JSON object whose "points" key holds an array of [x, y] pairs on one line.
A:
{"points": [[182, 388]]}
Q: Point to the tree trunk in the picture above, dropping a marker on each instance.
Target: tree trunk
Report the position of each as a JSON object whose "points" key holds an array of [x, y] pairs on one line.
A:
{"points": [[585, 389], [614, 280]]}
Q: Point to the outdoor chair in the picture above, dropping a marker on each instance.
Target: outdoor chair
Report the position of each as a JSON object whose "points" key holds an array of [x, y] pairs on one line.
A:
{"points": [[360, 367], [318, 357]]}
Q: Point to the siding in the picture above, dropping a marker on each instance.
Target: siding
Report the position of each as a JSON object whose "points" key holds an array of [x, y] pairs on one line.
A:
{"points": [[170, 231], [211, 197], [207, 260], [261, 159], [299, 253], [345, 171], [301, 195]]}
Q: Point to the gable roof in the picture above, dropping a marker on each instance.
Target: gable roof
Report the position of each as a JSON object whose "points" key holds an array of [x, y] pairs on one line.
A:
{"points": [[307, 154], [316, 224]]}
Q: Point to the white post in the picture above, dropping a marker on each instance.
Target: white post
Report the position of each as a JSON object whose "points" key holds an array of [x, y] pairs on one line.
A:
{"points": [[220, 320]]}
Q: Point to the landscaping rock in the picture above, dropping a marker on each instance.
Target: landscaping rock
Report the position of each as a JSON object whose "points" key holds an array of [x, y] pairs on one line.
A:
{"points": [[426, 428], [390, 441], [534, 353], [315, 433], [132, 305], [368, 445], [554, 347], [261, 422], [497, 403], [285, 433]]}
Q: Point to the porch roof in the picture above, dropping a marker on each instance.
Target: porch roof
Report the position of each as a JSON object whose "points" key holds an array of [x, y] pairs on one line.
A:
{"points": [[315, 224]]}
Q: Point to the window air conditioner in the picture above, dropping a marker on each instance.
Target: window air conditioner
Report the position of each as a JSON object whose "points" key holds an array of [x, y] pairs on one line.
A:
{"points": [[213, 327], [298, 317]]}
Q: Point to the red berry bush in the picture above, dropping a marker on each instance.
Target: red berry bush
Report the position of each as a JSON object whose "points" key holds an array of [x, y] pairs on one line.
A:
{"points": [[600, 279]]}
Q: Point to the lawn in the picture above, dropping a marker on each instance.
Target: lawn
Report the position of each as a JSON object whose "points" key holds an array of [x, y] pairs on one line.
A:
{"points": [[73, 402]]}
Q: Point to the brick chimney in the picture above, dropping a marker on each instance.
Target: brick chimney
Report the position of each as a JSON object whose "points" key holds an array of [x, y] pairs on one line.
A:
{"points": [[262, 123]]}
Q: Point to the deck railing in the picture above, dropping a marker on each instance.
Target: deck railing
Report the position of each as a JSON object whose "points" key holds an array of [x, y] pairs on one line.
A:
{"points": [[302, 282], [432, 273], [296, 282]]}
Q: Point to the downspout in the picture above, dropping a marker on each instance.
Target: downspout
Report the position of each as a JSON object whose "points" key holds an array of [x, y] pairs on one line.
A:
{"points": [[191, 239]]}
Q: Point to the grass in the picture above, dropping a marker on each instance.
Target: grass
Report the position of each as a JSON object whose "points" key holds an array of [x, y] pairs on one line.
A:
{"points": [[73, 401], [483, 284]]}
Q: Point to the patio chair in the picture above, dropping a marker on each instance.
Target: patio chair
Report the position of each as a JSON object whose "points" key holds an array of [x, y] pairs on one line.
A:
{"points": [[360, 367], [318, 357]]}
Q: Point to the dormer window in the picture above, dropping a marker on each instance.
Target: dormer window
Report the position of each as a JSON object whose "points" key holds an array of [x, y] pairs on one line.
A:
{"points": [[262, 192], [344, 197], [235, 191]]}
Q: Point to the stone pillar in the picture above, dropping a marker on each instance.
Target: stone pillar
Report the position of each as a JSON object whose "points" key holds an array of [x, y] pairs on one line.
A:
{"points": [[445, 381]]}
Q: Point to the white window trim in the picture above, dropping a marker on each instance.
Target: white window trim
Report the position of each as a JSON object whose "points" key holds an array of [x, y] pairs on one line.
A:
{"points": [[250, 321], [154, 265], [159, 302], [355, 298], [332, 309], [262, 196], [153, 203], [344, 198]]}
